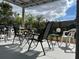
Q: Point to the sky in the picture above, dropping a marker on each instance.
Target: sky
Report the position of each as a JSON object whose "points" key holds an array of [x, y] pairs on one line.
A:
{"points": [[71, 13], [63, 10]]}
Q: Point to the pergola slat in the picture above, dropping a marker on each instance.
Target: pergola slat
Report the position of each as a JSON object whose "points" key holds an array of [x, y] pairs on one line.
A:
{"points": [[28, 3]]}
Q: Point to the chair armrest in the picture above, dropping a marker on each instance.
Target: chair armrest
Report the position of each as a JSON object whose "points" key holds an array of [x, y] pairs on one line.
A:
{"points": [[64, 33]]}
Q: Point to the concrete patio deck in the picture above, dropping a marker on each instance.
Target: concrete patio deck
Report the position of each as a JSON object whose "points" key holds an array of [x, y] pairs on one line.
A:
{"points": [[9, 51]]}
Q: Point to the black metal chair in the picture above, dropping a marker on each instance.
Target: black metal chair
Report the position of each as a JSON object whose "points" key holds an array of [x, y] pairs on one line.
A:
{"points": [[3, 33], [17, 34], [43, 35]]}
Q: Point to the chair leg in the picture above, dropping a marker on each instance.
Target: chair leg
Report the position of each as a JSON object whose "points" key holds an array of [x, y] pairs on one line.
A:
{"points": [[48, 44], [20, 41], [66, 45], [42, 48], [30, 45], [69, 41], [61, 41], [5, 39], [57, 39], [13, 40], [52, 45], [73, 40]]}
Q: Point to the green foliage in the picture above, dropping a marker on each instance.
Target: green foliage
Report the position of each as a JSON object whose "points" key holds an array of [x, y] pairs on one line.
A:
{"points": [[6, 9], [18, 20], [29, 20], [40, 18], [36, 22], [40, 22], [5, 13], [42, 25]]}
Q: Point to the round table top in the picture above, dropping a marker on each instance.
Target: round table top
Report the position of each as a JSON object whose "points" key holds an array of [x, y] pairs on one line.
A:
{"points": [[54, 34]]}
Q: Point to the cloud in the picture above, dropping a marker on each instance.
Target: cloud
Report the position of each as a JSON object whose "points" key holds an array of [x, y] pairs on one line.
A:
{"points": [[52, 10], [1, 0]]}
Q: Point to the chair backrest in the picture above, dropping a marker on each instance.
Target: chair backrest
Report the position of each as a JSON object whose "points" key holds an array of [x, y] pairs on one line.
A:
{"points": [[69, 33], [72, 33], [16, 29], [45, 32]]}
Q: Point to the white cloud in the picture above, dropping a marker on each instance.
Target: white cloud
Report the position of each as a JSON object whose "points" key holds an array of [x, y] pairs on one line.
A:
{"points": [[52, 10], [1, 0]]}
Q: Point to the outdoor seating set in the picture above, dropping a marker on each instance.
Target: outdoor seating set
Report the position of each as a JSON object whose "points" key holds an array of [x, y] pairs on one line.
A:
{"points": [[36, 38]]}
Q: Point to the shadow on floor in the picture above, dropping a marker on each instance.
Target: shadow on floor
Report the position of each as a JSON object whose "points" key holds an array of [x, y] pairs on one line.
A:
{"points": [[9, 54], [66, 48]]}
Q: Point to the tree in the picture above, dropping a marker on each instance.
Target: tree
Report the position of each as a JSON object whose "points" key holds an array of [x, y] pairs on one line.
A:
{"points": [[40, 21], [35, 21], [5, 13], [29, 20], [40, 18], [18, 20]]}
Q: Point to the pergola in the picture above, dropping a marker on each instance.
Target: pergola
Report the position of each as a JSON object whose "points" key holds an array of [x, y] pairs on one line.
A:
{"points": [[28, 3]]}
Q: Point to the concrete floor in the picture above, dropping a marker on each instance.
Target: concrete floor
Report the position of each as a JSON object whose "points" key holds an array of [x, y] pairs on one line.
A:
{"points": [[9, 51]]}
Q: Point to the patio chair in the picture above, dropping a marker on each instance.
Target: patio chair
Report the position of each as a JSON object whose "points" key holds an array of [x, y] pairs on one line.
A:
{"points": [[17, 34], [68, 36], [3, 34], [43, 35]]}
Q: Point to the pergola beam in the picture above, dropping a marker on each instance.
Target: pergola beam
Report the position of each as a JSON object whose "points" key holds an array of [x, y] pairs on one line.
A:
{"points": [[28, 3]]}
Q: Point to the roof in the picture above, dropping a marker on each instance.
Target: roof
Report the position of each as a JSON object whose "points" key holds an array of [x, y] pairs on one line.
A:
{"points": [[27, 3]]}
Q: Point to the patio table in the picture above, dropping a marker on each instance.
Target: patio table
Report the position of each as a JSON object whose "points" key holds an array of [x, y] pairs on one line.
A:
{"points": [[55, 35]]}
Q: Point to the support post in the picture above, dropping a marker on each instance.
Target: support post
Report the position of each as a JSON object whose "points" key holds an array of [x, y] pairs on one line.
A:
{"points": [[77, 33], [23, 14]]}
